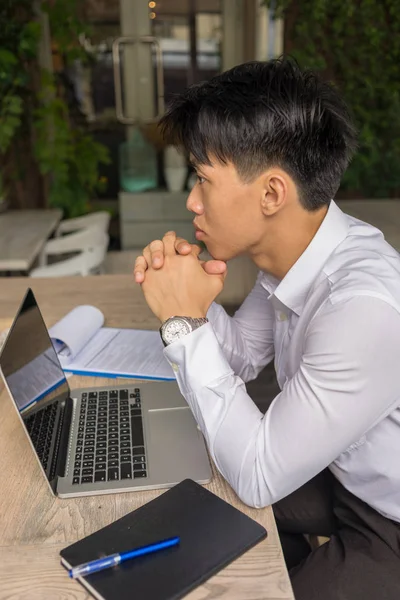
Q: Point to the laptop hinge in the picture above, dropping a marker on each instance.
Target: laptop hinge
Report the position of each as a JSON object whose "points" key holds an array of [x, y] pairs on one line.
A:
{"points": [[61, 448]]}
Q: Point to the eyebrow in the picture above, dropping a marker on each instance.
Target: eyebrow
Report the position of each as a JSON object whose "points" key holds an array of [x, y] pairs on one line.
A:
{"points": [[196, 164]]}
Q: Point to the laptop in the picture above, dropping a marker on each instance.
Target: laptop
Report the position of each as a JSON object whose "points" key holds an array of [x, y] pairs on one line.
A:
{"points": [[97, 440]]}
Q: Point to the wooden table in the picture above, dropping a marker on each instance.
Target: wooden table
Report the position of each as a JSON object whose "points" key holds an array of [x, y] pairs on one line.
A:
{"points": [[35, 526], [23, 233]]}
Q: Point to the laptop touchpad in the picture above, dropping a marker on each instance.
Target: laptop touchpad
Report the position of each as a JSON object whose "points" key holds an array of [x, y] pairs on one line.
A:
{"points": [[176, 445]]}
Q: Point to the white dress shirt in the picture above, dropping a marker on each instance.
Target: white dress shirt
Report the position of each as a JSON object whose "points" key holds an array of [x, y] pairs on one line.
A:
{"points": [[332, 326]]}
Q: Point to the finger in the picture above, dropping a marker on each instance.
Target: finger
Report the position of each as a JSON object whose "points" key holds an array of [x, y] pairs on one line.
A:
{"points": [[169, 243], [215, 267], [182, 246], [139, 269], [196, 250], [156, 254], [147, 255]]}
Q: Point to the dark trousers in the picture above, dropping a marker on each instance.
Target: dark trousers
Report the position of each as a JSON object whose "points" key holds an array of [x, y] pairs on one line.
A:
{"points": [[362, 559]]}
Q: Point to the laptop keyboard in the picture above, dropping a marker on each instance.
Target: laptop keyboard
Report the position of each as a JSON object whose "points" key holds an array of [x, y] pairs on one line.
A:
{"points": [[110, 444], [40, 428]]}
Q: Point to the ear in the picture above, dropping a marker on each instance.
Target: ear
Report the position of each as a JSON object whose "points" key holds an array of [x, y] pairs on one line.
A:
{"points": [[275, 188]]}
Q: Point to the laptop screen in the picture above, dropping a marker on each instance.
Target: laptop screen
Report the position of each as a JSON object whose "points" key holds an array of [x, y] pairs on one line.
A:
{"points": [[29, 362]]}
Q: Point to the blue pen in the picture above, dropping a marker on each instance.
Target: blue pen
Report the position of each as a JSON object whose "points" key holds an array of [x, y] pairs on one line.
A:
{"points": [[115, 559]]}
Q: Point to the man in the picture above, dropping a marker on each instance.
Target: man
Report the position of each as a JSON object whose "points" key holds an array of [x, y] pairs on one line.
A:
{"points": [[270, 144]]}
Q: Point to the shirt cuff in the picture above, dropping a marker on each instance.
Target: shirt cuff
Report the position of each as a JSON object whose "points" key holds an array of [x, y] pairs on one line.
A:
{"points": [[214, 312], [197, 359]]}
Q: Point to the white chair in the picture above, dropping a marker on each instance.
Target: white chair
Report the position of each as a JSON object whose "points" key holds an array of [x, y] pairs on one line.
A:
{"points": [[99, 219], [88, 262], [79, 241]]}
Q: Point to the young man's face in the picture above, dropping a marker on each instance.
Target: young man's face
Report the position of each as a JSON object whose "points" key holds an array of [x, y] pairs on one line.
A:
{"points": [[228, 216]]}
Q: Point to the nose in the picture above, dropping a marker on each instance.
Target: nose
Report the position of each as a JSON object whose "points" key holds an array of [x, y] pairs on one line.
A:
{"points": [[193, 203]]}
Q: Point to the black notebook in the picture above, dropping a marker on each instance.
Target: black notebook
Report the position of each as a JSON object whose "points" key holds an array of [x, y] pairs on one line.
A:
{"points": [[212, 534]]}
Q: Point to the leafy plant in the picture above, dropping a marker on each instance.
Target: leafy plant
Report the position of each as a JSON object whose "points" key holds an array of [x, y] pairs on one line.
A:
{"points": [[34, 105], [20, 35], [355, 44], [19, 46], [66, 153]]}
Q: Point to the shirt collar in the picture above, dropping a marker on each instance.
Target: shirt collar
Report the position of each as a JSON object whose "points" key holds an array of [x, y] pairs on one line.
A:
{"points": [[293, 289]]}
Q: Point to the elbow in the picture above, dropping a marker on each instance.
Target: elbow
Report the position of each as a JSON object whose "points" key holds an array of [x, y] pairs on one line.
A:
{"points": [[252, 500], [250, 494]]}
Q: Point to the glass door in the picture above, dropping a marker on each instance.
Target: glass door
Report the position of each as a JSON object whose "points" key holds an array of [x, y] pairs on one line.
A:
{"points": [[143, 52]]}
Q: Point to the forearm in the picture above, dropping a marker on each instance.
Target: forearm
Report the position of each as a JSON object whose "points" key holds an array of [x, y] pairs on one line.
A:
{"points": [[266, 457], [246, 353], [232, 343], [225, 413]]}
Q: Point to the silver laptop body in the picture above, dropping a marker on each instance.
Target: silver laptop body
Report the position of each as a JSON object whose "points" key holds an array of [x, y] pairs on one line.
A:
{"points": [[97, 440]]}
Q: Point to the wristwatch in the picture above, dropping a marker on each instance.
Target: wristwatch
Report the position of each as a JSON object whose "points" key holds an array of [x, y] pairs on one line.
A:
{"points": [[175, 328]]}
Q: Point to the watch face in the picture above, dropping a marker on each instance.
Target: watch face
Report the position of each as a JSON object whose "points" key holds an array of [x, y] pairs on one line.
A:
{"points": [[175, 329]]}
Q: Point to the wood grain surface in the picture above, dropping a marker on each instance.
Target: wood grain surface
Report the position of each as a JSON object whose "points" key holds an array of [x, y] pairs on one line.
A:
{"points": [[35, 525], [23, 233]]}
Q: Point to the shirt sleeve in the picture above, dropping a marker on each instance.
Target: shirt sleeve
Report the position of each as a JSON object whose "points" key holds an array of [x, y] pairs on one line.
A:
{"points": [[247, 338], [346, 383]]}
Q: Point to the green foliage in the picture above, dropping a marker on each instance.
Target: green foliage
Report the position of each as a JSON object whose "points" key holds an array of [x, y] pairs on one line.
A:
{"points": [[69, 155], [66, 27], [65, 151], [10, 110], [356, 44], [19, 44]]}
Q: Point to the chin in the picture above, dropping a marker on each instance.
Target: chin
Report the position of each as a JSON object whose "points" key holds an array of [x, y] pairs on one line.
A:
{"points": [[220, 253]]}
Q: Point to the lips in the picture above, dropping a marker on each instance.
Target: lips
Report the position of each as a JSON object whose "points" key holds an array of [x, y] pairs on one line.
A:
{"points": [[199, 233]]}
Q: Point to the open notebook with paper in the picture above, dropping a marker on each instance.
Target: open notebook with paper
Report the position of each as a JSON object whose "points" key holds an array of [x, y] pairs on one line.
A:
{"points": [[85, 347]]}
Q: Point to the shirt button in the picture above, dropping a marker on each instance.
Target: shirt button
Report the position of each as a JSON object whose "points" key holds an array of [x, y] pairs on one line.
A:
{"points": [[282, 316]]}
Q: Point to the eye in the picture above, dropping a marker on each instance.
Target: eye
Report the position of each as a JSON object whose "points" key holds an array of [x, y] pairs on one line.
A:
{"points": [[200, 179]]}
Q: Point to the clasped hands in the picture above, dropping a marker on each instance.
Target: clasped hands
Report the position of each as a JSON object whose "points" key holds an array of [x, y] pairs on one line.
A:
{"points": [[175, 281]]}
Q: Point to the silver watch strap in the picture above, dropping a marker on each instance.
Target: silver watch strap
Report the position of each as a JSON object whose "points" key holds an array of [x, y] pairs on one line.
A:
{"points": [[198, 322], [195, 323]]}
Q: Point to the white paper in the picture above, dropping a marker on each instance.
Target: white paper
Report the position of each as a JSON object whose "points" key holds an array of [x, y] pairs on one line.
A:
{"points": [[73, 332], [83, 345], [129, 352]]}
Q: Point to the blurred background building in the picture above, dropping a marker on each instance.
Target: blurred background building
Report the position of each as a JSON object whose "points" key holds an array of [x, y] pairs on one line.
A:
{"points": [[83, 84]]}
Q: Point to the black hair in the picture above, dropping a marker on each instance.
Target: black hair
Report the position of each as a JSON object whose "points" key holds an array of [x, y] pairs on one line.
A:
{"points": [[263, 114]]}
